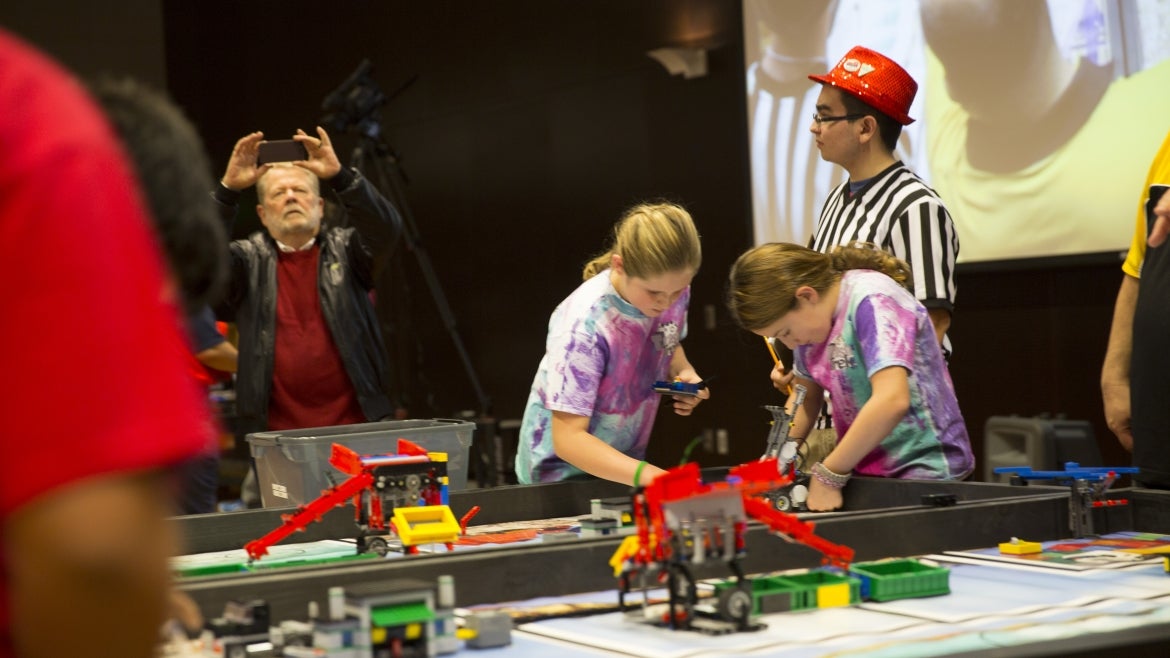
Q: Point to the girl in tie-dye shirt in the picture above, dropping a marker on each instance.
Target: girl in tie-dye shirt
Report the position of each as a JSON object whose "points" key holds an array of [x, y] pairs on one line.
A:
{"points": [[858, 333], [592, 403]]}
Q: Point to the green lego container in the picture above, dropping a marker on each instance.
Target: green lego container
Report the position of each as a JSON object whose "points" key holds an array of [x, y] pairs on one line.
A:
{"points": [[825, 589], [888, 580], [293, 468], [771, 594]]}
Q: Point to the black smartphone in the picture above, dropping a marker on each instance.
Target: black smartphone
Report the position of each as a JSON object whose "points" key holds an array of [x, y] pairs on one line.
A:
{"points": [[281, 150]]}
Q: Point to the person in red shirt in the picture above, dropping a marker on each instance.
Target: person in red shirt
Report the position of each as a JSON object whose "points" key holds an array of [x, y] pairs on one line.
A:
{"points": [[85, 481], [311, 353], [310, 350]]}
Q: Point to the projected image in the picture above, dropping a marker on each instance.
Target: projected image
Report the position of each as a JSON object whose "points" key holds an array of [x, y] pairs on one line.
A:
{"points": [[786, 41], [1036, 120]]}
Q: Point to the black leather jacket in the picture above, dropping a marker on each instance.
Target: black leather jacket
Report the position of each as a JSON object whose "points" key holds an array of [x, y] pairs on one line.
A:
{"points": [[344, 281]]}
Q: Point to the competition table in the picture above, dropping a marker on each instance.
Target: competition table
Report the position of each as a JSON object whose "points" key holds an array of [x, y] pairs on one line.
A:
{"points": [[881, 518], [992, 610]]}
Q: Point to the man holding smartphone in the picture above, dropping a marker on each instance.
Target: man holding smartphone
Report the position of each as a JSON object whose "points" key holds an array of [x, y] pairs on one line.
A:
{"points": [[310, 351]]}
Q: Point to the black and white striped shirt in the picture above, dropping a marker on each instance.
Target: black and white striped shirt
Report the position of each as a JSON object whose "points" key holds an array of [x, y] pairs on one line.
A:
{"points": [[901, 214]]}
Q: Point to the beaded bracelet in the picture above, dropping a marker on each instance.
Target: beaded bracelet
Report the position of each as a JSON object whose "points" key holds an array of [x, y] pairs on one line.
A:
{"points": [[829, 478]]}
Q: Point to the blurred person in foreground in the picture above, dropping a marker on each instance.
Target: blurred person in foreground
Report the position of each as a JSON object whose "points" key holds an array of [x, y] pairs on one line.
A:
{"points": [[175, 172], [86, 482]]}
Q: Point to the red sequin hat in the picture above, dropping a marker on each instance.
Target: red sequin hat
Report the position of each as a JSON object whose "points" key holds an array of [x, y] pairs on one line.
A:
{"points": [[875, 79]]}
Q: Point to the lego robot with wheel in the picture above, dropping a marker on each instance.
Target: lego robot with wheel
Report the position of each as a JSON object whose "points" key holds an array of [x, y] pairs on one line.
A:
{"points": [[786, 451]]}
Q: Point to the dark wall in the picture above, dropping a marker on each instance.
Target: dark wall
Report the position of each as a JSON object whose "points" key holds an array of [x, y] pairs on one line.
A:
{"points": [[525, 127], [94, 38], [1030, 339]]}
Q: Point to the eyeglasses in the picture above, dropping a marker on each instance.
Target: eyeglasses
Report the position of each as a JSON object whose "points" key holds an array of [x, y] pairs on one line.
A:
{"points": [[820, 120]]}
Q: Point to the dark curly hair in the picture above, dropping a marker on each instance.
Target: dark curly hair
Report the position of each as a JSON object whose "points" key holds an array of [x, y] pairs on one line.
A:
{"points": [[174, 173]]}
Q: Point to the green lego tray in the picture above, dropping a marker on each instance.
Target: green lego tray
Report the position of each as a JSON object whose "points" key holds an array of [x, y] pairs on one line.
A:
{"points": [[888, 580]]}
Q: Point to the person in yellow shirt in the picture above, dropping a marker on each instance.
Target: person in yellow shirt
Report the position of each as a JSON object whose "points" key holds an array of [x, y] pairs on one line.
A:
{"points": [[1135, 379]]}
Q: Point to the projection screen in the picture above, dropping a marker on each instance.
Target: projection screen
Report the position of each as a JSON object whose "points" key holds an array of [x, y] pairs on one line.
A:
{"points": [[1036, 120]]}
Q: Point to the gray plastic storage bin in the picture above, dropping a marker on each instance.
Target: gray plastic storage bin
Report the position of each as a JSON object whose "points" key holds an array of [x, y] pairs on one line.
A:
{"points": [[293, 466]]}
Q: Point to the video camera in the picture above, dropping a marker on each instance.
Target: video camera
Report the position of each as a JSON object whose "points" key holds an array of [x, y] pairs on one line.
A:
{"points": [[355, 102]]}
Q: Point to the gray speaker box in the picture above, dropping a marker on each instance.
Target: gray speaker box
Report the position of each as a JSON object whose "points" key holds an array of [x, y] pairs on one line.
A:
{"points": [[1041, 443]]}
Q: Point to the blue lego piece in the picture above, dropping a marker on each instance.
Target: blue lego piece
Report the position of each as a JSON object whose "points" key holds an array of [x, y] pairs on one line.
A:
{"points": [[678, 388]]}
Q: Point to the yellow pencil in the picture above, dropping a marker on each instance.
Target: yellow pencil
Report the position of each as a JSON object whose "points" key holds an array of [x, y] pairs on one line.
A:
{"points": [[772, 350], [776, 360]]}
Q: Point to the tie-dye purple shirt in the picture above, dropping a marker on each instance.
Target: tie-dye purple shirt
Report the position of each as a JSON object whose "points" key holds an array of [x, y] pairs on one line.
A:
{"points": [[601, 360], [878, 324]]}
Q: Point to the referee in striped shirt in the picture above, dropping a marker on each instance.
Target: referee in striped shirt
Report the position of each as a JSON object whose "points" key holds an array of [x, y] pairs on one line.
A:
{"points": [[860, 112], [862, 106]]}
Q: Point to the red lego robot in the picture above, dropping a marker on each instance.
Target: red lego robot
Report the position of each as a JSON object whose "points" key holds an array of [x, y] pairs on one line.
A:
{"points": [[403, 493], [682, 521]]}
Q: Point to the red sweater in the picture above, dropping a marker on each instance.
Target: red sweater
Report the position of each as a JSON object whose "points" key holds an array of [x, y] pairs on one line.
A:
{"points": [[310, 387]]}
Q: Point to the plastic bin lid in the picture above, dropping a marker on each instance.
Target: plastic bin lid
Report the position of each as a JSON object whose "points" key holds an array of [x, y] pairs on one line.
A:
{"points": [[360, 430]]}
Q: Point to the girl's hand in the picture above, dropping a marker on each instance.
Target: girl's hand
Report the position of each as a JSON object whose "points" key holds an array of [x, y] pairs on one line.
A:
{"points": [[822, 498], [781, 378], [685, 404]]}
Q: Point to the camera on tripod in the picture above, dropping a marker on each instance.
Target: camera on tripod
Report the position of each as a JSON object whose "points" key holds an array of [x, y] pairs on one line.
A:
{"points": [[355, 102], [354, 106]]}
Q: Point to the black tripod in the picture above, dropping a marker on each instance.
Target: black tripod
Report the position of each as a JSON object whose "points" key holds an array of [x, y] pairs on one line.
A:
{"points": [[376, 161], [354, 105]]}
